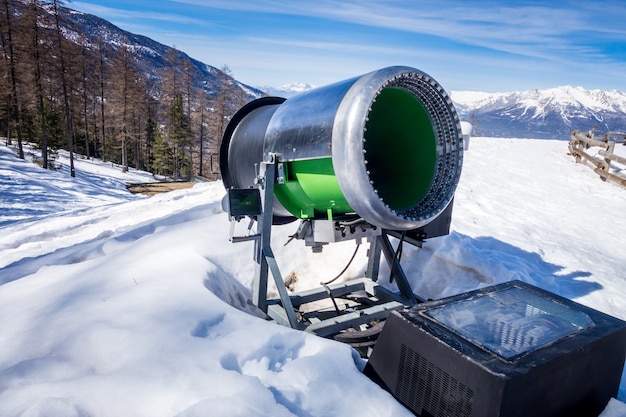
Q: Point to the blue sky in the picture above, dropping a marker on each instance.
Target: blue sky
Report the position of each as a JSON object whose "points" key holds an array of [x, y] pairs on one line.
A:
{"points": [[492, 46]]}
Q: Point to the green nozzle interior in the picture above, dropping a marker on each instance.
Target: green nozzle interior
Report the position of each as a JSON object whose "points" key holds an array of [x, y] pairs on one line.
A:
{"points": [[401, 156], [400, 148]]}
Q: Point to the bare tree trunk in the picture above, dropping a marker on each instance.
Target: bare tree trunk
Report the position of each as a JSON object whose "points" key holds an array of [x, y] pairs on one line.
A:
{"points": [[94, 121], [188, 79], [85, 115], [39, 85], [201, 168], [69, 131], [14, 100], [102, 102], [136, 135], [125, 111]]}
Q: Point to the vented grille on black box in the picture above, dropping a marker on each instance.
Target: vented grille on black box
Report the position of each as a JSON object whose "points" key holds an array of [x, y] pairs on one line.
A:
{"points": [[427, 390], [509, 350]]}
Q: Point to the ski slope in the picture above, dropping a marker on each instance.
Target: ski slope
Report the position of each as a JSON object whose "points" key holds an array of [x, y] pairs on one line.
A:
{"points": [[115, 304]]}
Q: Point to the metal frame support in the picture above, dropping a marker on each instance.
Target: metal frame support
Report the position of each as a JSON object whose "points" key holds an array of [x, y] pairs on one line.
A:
{"points": [[382, 244], [264, 256], [373, 259], [363, 300], [398, 272]]}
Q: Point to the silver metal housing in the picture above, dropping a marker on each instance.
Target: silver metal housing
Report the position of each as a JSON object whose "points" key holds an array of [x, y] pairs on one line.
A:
{"points": [[332, 121]]}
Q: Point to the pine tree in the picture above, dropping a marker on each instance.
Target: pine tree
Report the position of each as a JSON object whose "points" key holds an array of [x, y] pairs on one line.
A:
{"points": [[177, 89], [151, 135], [163, 156], [179, 136]]}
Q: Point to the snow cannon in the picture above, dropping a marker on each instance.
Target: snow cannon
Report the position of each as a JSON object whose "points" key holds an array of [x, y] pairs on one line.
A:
{"points": [[385, 147]]}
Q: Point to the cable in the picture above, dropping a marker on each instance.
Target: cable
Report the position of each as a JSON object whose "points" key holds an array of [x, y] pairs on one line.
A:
{"points": [[325, 284], [344, 269]]}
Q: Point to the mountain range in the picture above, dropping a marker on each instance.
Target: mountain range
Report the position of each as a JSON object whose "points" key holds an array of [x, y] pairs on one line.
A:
{"points": [[544, 114], [541, 114], [551, 113]]}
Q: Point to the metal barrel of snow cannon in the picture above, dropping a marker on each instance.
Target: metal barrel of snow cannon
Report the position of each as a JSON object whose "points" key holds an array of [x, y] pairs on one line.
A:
{"points": [[385, 146]]}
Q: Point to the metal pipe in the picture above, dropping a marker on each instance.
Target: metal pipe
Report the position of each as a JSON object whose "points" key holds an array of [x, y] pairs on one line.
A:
{"points": [[386, 146]]}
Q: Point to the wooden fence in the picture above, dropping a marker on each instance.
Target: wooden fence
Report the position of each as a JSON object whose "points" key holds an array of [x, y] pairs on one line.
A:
{"points": [[604, 161]]}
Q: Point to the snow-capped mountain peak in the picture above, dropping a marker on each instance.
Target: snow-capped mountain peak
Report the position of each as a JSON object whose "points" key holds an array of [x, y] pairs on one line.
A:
{"points": [[287, 90], [548, 113]]}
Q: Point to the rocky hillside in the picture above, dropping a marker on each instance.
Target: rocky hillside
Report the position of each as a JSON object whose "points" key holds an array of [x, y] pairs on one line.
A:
{"points": [[151, 55]]}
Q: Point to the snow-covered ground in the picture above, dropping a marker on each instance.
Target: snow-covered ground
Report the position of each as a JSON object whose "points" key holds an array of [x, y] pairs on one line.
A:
{"points": [[29, 192], [114, 304]]}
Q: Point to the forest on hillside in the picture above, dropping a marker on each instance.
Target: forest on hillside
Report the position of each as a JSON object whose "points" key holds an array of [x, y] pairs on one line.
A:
{"points": [[61, 90]]}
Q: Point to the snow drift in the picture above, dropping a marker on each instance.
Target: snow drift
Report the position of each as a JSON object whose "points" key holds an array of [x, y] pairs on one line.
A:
{"points": [[113, 304]]}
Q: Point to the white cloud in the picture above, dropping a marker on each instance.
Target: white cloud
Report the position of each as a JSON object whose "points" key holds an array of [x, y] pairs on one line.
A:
{"points": [[117, 14]]}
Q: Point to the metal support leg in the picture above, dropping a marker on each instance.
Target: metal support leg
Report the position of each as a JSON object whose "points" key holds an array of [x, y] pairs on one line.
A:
{"points": [[373, 259], [264, 256], [398, 272], [259, 286]]}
